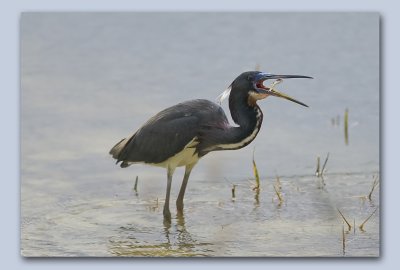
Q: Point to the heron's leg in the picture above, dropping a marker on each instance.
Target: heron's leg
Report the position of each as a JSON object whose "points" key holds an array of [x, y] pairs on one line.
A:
{"points": [[166, 212], [179, 201]]}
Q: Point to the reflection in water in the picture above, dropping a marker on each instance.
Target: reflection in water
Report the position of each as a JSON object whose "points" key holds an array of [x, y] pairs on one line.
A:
{"points": [[173, 241], [257, 198]]}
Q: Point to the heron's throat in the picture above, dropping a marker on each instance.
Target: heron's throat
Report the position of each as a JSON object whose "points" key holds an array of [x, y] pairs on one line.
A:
{"points": [[245, 111], [249, 120]]}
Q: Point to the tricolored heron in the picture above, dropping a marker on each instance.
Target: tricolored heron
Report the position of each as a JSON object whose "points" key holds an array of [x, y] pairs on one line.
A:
{"points": [[180, 135]]}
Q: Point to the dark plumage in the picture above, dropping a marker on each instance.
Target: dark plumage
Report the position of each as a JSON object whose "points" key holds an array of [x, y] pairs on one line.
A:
{"points": [[180, 135], [170, 130]]}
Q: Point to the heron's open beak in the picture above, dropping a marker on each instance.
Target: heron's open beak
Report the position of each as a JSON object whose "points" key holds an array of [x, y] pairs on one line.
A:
{"points": [[272, 92], [275, 93]]}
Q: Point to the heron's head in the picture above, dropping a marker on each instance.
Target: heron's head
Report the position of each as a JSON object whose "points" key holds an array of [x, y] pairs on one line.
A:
{"points": [[251, 86]]}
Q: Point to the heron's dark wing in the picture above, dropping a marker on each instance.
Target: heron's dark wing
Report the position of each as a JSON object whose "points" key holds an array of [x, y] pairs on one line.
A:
{"points": [[168, 132]]}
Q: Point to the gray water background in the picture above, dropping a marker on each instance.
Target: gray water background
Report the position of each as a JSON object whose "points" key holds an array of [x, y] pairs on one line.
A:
{"points": [[90, 79]]}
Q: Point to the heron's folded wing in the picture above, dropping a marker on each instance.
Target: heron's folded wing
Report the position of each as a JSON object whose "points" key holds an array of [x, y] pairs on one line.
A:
{"points": [[159, 140]]}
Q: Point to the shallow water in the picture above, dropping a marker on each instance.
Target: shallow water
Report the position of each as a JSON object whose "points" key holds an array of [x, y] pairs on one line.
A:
{"points": [[88, 80], [129, 223]]}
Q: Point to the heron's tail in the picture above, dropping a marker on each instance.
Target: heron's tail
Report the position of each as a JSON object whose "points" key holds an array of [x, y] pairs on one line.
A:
{"points": [[116, 150]]}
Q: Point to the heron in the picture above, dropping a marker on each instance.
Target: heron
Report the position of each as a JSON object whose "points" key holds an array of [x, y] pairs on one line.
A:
{"points": [[182, 134]]}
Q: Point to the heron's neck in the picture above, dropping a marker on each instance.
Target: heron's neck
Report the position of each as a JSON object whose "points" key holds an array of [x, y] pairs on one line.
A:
{"points": [[249, 118]]}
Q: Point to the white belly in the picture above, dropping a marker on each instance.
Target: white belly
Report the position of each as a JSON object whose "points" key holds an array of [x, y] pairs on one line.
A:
{"points": [[183, 158]]}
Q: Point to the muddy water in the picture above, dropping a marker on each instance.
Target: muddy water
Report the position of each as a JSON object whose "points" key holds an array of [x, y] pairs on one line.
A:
{"points": [[88, 80]]}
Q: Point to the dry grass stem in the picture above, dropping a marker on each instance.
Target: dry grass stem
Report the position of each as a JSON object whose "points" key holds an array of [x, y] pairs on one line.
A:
{"points": [[256, 175], [345, 220], [361, 227], [374, 184], [233, 192], [278, 183], [326, 161], [278, 193], [346, 126], [343, 240], [136, 183], [317, 172]]}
